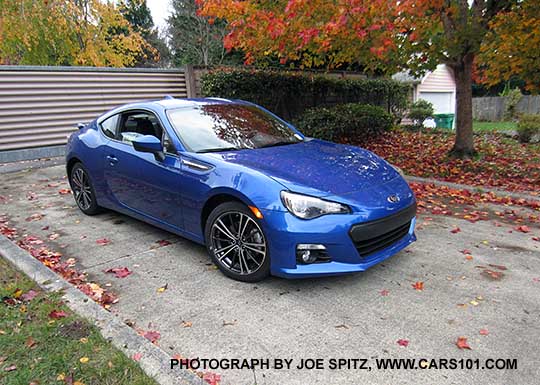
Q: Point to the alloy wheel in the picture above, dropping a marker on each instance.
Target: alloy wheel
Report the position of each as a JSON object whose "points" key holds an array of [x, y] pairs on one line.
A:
{"points": [[238, 243], [81, 189]]}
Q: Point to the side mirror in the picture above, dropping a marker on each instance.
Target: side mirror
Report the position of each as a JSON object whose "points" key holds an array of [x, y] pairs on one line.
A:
{"points": [[151, 144]]}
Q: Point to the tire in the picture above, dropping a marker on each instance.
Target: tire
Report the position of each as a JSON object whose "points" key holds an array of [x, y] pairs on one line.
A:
{"points": [[83, 190], [236, 243]]}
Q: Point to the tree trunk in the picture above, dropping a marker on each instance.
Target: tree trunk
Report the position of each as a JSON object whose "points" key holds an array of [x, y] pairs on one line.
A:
{"points": [[464, 144]]}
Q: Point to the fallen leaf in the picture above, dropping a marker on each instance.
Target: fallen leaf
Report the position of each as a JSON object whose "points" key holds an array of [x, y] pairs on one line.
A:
{"points": [[64, 191], [17, 294], [498, 267], [466, 251], [84, 360], [474, 303], [187, 324], [211, 378], [163, 288], [56, 314], [232, 323], [152, 336], [54, 236], [119, 272], [537, 239], [495, 275], [137, 356], [84, 340], [469, 257], [342, 326], [103, 241], [30, 295], [462, 343], [402, 342], [418, 285], [484, 332], [523, 229], [10, 368], [455, 230], [30, 342], [163, 242], [384, 292], [61, 377], [34, 217], [2, 359]]}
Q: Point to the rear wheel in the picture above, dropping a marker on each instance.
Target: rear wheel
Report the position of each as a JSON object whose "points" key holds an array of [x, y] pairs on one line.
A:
{"points": [[236, 242], [83, 190]]}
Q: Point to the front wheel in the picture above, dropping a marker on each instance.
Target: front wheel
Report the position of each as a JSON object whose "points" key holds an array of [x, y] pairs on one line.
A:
{"points": [[83, 190], [236, 243]]}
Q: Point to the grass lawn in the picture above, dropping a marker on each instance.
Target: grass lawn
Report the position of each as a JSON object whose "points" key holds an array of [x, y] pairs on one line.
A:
{"points": [[493, 126], [43, 342]]}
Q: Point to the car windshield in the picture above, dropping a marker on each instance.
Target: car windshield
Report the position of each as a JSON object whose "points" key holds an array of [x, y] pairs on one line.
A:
{"points": [[224, 127]]}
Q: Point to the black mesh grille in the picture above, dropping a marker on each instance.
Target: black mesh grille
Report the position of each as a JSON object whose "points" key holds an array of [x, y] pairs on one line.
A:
{"points": [[373, 236], [372, 245]]}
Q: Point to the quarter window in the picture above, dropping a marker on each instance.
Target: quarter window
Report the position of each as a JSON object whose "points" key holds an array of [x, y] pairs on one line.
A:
{"points": [[109, 125]]}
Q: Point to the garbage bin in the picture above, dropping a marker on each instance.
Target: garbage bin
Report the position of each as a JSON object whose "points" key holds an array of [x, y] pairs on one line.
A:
{"points": [[444, 120]]}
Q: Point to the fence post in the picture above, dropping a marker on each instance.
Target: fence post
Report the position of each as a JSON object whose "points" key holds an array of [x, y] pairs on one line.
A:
{"points": [[190, 81]]}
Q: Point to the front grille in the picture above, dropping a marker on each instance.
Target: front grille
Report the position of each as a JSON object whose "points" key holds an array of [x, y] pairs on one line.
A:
{"points": [[371, 237], [372, 245]]}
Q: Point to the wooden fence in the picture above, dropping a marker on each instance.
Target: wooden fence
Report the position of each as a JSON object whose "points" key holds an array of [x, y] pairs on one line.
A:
{"points": [[492, 108]]}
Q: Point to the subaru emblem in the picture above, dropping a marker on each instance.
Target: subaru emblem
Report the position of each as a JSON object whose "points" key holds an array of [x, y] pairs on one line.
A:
{"points": [[393, 198]]}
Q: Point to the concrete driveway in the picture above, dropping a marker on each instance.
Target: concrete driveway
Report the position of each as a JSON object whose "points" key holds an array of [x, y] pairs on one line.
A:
{"points": [[204, 314]]}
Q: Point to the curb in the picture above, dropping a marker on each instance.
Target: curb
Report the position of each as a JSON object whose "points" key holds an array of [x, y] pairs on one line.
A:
{"points": [[154, 361], [7, 168], [481, 189]]}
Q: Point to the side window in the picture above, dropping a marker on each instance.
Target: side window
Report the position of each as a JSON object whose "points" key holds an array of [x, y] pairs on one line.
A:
{"points": [[137, 123], [109, 125]]}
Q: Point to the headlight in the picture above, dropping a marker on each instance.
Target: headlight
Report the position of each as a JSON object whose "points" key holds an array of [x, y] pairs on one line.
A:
{"points": [[306, 207]]}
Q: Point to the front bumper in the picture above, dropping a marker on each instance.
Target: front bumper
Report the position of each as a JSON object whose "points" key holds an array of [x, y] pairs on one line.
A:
{"points": [[284, 231]]}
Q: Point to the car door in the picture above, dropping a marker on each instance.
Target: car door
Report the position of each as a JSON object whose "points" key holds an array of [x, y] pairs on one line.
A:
{"points": [[138, 181]]}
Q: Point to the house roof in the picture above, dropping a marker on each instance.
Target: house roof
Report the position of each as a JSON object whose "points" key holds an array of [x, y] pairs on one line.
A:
{"points": [[406, 77]]}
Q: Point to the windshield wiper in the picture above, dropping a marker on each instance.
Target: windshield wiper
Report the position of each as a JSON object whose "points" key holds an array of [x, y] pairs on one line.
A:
{"points": [[279, 143], [218, 149]]}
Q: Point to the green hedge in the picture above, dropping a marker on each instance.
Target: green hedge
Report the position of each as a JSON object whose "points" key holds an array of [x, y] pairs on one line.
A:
{"points": [[289, 93], [357, 122]]}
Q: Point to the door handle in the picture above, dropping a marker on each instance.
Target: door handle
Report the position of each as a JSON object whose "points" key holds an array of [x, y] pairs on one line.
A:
{"points": [[112, 159]]}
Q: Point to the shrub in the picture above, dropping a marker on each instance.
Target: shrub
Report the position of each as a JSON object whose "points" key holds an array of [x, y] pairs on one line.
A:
{"points": [[289, 94], [528, 127], [420, 111], [346, 121], [511, 101]]}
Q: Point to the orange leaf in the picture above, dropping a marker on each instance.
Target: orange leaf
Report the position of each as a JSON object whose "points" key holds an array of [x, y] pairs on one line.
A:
{"points": [[462, 343], [418, 285]]}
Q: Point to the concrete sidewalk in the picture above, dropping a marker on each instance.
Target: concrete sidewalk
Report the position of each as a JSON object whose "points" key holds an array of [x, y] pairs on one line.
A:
{"points": [[204, 314]]}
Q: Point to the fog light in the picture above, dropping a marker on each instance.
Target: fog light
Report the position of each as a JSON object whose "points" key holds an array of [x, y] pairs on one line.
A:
{"points": [[307, 256], [307, 253]]}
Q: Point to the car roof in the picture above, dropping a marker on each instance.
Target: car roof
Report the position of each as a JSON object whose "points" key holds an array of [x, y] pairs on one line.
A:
{"points": [[168, 102]]}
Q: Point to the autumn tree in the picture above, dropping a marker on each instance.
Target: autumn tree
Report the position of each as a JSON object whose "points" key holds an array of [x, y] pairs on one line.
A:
{"points": [[197, 39], [137, 13], [511, 47], [380, 35], [67, 32]]}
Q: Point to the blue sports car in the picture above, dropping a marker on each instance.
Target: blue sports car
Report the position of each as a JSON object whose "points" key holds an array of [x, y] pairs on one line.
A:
{"points": [[228, 174]]}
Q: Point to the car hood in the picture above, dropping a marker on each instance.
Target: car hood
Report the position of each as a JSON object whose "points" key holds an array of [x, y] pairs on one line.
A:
{"points": [[317, 167]]}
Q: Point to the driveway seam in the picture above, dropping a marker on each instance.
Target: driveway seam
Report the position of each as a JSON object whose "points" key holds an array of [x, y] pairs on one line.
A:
{"points": [[154, 362]]}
